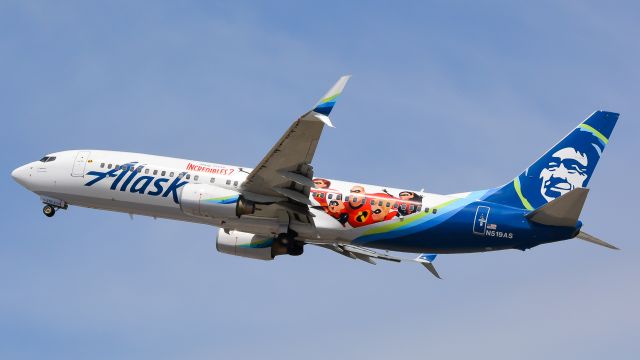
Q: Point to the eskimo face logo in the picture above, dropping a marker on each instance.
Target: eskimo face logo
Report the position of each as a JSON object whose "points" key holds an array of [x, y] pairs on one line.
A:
{"points": [[129, 174], [565, 171]]}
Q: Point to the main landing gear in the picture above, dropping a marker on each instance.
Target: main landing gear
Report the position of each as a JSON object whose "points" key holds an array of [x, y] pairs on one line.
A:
{"points": [[287, 244], [48, 210]]}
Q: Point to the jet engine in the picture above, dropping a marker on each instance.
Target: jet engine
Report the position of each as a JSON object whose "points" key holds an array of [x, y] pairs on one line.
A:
{"points": [[244, 244], [254, 246], [206, 200]]}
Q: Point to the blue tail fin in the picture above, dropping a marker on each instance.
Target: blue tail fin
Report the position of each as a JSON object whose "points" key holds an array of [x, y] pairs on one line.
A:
{"points": [[568, 165]]}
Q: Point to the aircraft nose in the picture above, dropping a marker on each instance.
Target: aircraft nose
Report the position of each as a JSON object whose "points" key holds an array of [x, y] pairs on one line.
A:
{"points": [[20, 175]]}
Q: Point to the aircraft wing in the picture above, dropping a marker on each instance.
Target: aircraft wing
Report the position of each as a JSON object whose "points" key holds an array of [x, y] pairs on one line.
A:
{"points": [[284, 176]]}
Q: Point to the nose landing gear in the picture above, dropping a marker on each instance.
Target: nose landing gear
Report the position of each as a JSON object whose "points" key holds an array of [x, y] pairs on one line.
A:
{"points": [[51, 205], [48, 210]]}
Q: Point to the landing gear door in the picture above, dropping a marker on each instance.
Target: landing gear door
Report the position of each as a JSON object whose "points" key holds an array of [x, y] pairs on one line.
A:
{"points": [[79, 163]]}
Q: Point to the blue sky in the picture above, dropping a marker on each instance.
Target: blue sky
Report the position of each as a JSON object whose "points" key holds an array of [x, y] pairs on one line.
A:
{"points": [[446, 95]]}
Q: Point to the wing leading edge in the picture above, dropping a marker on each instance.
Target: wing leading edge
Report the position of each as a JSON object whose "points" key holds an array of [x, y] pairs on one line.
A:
{"points": [[285, 174]]}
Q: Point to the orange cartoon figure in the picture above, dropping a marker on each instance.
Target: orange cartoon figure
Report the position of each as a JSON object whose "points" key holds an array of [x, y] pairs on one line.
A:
{"points": [[338, 211], [321, 183], [382, 207], [357, 207]]}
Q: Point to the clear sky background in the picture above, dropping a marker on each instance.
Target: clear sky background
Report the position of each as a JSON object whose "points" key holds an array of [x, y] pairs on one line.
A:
{"points": [[448, 96]]}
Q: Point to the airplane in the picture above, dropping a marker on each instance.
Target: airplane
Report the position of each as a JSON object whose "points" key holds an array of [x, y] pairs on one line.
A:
{"points": [[280, 206]]}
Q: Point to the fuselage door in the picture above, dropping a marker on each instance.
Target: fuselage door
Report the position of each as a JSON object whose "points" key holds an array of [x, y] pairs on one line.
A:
{"points": [[79, 163]]}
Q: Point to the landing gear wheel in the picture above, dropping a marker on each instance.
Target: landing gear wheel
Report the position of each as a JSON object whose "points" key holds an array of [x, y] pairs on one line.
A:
{"points": [[49, 210]]}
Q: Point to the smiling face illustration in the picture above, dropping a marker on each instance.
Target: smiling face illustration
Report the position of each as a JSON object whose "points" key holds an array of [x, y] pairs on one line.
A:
{"points": [[565, 171]]}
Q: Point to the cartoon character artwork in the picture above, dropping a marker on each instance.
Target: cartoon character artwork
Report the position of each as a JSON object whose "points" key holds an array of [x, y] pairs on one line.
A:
{"points": [[383, 207], [359, 208], [409, 202]]}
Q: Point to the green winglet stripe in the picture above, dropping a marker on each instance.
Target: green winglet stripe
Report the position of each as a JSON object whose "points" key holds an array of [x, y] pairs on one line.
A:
{"points": [[327, 99], [525, 202], [595, 132]]}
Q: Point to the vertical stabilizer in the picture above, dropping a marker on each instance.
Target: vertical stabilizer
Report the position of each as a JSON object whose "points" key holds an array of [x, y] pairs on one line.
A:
{"points": [[566, 166]]}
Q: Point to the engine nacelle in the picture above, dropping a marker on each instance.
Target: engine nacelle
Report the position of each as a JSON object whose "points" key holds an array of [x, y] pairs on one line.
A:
{"points": [[244, 244], [206, 200]]}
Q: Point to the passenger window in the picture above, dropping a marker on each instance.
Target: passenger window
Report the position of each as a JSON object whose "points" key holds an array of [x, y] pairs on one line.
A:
{"points": [[109, 166], [171, 174], [212, 180], [116, 166], [163, 173], [373, 202], [132, 168], [228, 182], [435, 211], [139, 169], [363, 201], [419, 208], [403, 206], [339, 197], [155, 172], [321, 195], [146, 171], [426, 209], [195, 177], [188, 176], [395, 205], [235, 183], [330, 196], [412, 207], [388, 204], [380, 203], [102, 165]]}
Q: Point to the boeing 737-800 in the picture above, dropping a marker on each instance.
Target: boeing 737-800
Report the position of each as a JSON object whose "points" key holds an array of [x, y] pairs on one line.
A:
{"points": [[280, 206]]}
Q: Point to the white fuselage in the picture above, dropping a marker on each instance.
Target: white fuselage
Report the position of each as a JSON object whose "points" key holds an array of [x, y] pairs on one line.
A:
{"points": [[154, 185]]}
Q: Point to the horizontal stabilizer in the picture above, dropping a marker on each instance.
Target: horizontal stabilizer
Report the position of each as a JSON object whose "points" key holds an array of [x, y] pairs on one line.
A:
{"points": [[563, 211], [592, 239], [427, 261], [368, 255]]}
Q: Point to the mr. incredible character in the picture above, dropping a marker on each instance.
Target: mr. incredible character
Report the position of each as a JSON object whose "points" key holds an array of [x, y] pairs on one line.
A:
{"points": [[358, 208]]}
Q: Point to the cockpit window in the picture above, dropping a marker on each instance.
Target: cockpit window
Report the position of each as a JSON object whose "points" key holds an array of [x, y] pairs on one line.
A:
{"points": [[48, 159]]}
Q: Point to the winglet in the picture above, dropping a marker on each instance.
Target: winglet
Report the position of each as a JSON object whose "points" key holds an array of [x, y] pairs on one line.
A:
{"points": [[325, 105], [427, 261]]}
